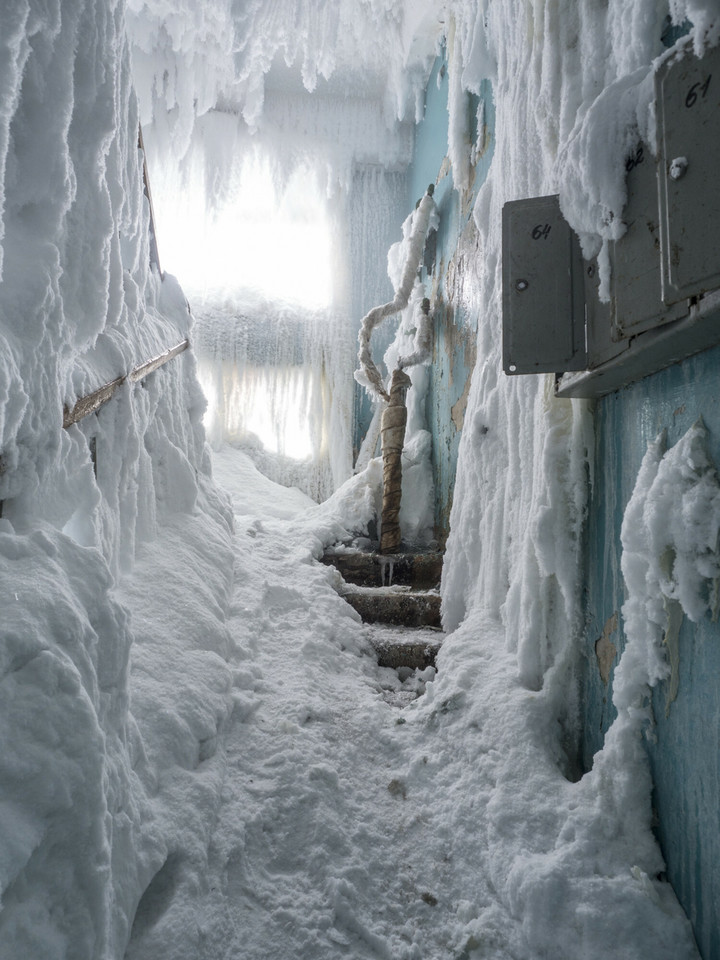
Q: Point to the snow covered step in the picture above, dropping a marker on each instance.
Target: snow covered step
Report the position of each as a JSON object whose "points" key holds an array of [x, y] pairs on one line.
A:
{"points": [[405, 647], [366, 569], [398, 605]]}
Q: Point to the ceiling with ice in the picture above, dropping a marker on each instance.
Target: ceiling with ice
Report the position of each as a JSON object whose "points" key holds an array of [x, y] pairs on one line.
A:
{"points": [[234, 93], [191, 58]]}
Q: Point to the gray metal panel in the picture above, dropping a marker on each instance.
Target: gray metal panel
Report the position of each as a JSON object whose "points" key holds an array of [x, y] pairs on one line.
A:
{"points": [[688, 107], [649, 352], [600, 345], [636, 284], [543, 295]]}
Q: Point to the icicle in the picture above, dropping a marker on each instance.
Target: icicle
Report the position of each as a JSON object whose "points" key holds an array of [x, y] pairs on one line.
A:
{"points": [[387, 566]]}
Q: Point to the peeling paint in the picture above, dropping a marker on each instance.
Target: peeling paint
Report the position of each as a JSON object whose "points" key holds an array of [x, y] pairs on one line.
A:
{"points": [[460, 273], [451, 284], [605, 649], [457, 411], [671, 640]]}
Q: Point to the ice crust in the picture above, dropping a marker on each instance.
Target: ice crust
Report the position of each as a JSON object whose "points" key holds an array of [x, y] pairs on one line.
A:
{"points": [[198, 755]]}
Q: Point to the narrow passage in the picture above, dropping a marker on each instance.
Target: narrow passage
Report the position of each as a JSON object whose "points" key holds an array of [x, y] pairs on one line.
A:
{"points": [[325, 846]]}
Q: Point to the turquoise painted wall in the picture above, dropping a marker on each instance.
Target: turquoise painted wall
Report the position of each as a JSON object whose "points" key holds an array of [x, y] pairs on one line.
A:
{"points": [[455, 328], [684, 745]]}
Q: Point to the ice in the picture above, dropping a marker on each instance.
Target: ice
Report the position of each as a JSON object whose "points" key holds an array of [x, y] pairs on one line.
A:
{"points": [[670, 557], [409, 257], [276, 378], [199, 756]]}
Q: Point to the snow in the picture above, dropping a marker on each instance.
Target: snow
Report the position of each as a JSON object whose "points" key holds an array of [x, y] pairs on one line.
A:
{"points": [[670, 560], [201, 756], [355, 820]]}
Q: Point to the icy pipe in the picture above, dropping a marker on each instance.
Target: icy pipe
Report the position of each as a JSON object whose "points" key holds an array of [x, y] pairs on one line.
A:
{"points": [[368, 374], [423, 338]]}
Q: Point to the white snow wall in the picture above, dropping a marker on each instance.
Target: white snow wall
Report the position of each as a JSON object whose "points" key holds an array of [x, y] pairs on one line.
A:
{"points": [[85, 818]]}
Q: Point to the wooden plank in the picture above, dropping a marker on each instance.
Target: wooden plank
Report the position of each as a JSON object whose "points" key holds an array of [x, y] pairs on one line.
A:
{"points": [[93, 401], [90, 403], [145, 368], [154, 253]]}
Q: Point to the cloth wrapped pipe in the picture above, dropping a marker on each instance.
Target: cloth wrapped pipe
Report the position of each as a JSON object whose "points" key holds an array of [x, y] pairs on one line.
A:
{"points": [[394, 421]]}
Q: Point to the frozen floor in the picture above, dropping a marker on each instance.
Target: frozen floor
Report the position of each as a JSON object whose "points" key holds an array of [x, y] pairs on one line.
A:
{"points": [[361, 817], [326, 843]]}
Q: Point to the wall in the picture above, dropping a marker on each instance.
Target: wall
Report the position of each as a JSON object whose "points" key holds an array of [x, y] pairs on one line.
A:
{"points": [[455, 328], [684, 744]]}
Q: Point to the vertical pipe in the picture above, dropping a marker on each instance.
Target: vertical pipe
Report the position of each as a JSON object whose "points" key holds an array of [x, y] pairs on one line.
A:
{"points": [[394, 420]]}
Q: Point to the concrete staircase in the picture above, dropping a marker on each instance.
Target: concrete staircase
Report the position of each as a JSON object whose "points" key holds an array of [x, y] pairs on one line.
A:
{"points": [[400, 591]]}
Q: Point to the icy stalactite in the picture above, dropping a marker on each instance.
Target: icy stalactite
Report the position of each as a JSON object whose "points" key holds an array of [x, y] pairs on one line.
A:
{"points": [[187, 63], [275, 376], [458, 132], [368, 448]]}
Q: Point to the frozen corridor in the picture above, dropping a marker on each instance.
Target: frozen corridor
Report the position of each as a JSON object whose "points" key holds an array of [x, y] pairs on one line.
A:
{"points": [[201, 758]]}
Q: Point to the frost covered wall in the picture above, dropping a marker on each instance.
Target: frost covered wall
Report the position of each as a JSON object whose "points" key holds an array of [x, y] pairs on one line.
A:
{"points": [[446, 275], [89, 779], [571, 94], [684, 744]]}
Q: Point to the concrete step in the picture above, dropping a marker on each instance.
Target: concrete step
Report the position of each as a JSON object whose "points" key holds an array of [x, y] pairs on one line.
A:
{"points": [[368, 569], [400, 594], [396, 605], [398, 647]]}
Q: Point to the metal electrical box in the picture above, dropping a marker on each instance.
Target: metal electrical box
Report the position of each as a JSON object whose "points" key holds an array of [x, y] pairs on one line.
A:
{"points": [[636, 287], [687, 91], [543, 290]]}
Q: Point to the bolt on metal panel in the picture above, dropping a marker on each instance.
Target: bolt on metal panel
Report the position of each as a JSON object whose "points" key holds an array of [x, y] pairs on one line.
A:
{"points": [[636, 284], [687, 91], [543, 289]]}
